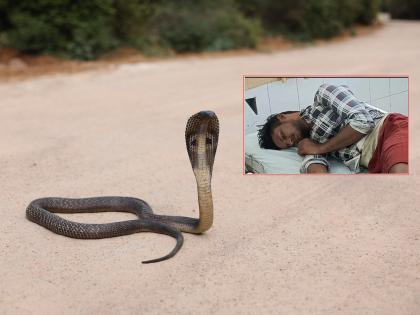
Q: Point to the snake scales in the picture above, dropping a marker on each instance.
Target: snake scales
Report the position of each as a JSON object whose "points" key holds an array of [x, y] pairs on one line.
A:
{"points": [[201, 136]]}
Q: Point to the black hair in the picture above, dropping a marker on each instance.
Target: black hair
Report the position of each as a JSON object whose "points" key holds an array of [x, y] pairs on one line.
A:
{"points": [[289, 112], [264, 133]]}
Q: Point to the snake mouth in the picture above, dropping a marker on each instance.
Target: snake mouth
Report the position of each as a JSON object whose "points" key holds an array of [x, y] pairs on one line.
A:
{"points": [[201, 137]]}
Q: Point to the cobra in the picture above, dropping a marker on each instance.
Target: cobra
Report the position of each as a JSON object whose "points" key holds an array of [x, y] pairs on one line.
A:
{"points": [[201, 136]]}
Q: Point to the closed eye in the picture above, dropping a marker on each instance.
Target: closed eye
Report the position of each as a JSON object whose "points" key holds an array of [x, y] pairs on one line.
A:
{"points": [[282, 136]]}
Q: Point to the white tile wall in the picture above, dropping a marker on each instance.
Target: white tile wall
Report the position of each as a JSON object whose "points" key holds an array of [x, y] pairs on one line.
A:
{"points": [[382, 103], [263, 104], [389, 94], [398, 85], [305, 90], [360, 88], [379, 88], [283, 95], [398, 103], [336, 81]]}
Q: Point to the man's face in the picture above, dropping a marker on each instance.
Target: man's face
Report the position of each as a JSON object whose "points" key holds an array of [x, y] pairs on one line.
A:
{"points": [[287, 134]]}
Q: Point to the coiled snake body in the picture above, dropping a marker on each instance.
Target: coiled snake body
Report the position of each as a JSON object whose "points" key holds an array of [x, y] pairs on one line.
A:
{"points": [[201, 136]]}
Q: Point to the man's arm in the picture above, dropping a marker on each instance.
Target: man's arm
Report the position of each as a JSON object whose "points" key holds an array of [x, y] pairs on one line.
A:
{"points": [[314, 164], [350, 110], [344, 138]]}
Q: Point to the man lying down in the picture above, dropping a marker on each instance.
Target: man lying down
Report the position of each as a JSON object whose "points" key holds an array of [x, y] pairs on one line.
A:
{"points": [[339, 125]]}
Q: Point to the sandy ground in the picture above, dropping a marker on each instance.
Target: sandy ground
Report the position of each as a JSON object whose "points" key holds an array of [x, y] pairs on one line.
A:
{"points": [[279, 244]]}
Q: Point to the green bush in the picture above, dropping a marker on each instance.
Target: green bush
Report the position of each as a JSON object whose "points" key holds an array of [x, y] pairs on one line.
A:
{"points": [[404, 9], [85, 29], [285, 16], [326, 18], [368, 10], [307, 19], [320, 19], [130, 19], [75, 29], [196, 28]]}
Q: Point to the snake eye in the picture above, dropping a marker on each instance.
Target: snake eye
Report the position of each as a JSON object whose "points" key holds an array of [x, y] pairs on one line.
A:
{"points": [[209, 141], [193, 142]]}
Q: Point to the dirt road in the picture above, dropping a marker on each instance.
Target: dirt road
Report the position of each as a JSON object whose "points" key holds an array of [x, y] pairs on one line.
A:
{"points": [[280, 245]]}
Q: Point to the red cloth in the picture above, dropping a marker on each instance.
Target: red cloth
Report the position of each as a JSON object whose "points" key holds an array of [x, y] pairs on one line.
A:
{"points": [[392, 145]]}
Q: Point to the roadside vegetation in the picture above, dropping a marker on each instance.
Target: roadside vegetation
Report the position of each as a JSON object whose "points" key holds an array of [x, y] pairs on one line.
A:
{"points": [[86, 30]]}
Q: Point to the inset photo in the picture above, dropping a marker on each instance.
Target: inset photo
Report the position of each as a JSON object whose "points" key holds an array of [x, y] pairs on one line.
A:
{"points": [[326, 124]]}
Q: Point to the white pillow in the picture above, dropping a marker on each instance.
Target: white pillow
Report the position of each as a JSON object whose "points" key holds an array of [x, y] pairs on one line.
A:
{"points": [[285, 161]]}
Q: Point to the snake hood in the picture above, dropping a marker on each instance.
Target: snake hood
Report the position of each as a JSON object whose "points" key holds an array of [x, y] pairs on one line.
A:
{"points": [[201, 138]]}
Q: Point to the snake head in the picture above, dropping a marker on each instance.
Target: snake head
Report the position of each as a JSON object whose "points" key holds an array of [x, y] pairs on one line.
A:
{"points": [[201, 137]]}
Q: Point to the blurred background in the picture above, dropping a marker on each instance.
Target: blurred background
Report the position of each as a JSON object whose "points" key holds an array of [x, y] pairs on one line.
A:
{"points": [[87, 30]]}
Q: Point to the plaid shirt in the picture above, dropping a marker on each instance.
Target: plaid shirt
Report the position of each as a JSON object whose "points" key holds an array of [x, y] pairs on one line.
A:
{"points": [[334, 108]]}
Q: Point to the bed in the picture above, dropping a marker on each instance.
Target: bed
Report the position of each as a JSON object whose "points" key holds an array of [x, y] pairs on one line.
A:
{"points": [[286, 161]]}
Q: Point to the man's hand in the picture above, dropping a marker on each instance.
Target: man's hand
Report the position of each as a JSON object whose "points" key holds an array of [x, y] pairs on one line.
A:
{"points": [[307, 146]]}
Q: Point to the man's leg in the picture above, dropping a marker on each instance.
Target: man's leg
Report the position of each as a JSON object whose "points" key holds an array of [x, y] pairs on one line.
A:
{"points": [[399, 168], [391, 154]]}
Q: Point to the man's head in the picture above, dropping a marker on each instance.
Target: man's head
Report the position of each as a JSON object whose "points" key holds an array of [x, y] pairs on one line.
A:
{"points": [[282, 131]]}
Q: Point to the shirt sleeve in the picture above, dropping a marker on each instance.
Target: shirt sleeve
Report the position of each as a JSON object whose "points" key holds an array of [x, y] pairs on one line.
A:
{"points": [[345, 106], [313, 159]]}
